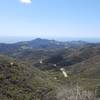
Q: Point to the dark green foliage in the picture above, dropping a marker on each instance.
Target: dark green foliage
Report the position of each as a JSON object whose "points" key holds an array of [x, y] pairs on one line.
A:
{"points": [[19, 81]]}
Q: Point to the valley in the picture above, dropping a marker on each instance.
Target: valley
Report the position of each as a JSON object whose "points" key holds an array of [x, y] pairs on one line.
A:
{"points": [[44, 69]]}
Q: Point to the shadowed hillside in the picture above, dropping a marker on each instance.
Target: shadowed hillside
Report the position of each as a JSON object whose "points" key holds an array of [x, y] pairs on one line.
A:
{"points": [[70, 56]]}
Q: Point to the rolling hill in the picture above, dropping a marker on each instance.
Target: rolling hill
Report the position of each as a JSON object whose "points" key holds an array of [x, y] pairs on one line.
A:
{"points": [[70, 56], [30, 70], [37, 44]]}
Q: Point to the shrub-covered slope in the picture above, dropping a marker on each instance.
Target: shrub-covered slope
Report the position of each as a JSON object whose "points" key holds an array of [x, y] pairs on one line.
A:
{"points": [[19, 81]]}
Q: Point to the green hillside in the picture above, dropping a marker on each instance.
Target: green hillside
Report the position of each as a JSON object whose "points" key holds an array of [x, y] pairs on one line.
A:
{"points": [[19, 81], [35, 73]]}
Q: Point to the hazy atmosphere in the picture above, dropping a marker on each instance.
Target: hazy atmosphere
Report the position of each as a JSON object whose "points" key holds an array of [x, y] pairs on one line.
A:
{"points": [[49, 49], [53, 19]]}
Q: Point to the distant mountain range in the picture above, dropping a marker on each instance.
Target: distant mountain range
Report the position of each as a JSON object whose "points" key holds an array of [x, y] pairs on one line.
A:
{"points": [[38, 44]]}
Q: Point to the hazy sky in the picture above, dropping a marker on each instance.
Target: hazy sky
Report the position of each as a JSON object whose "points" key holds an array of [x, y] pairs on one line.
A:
{"points": [[50, 18]]}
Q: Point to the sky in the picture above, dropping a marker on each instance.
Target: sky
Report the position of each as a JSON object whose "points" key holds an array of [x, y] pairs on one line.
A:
{"points": [[50, 18]]}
